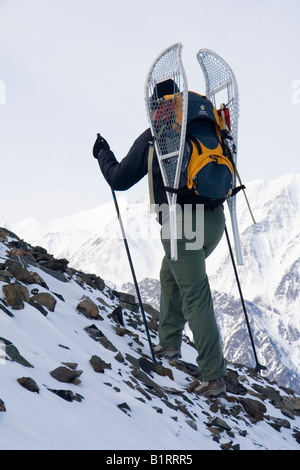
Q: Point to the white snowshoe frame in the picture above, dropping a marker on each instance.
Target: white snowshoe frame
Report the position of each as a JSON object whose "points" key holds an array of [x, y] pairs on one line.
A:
{"points": [[220, 79], [169, 133], [167, 118]]}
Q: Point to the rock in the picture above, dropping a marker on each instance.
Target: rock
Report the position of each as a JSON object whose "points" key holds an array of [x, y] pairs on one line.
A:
{"points": [[142, 391], [121, 331], [182, 407], [13, 353], [39, 280], [292, 404], [17, 243], [192, 424], [287, 412], [38, 307], [216, 421], [153, 324], [280, 423], [17, 252], [60, 276], [267, 393], [152, 311], [98, 364], [117, 315], [59, 296], [133, 360], [40, 254], [4, 309], [94, 332], [2, 406], [140, 375], [16, 294], [124, 297], [67, 395], [29, 384], [124, 407], [187, 367], [45, 299], [88, 308], [146, 365], [232, 383], [163, 371], [226, 445], [192, 386], [91, 280], [107, 344], [97, 335], [64, 374], [216, 433], [21, 274], [119, 357], [5, 276], [149, 366], [254, 408], [59, 265], [296, 434], [158, 409]]}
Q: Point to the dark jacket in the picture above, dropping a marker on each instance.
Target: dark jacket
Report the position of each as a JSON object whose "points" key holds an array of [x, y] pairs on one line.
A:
{"points": [[123, 175]]}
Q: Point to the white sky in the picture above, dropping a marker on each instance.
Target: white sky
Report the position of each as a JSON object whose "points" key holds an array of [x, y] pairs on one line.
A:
{"points": [[72, 68]]}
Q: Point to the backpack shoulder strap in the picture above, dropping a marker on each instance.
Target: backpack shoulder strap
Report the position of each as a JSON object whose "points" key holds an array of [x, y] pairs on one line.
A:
{"points": [[150, 175]]}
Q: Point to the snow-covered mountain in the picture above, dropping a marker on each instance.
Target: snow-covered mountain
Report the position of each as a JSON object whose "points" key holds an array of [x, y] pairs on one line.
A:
{"points": [[269, 276], [77, 373]]}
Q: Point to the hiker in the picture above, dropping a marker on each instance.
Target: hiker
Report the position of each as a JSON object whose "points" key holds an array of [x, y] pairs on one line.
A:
{"points": [[185, 290]]}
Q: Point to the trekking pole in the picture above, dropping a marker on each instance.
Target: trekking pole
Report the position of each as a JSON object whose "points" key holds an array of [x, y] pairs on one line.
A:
{"points": [[258, 366], [133, 275], [244, 192]]}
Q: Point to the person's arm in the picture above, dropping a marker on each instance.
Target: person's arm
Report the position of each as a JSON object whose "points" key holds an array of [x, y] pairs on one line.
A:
{"points": [[122, 175]]}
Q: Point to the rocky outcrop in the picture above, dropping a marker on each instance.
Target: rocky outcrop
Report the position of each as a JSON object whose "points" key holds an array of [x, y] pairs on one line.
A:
{"points": [[18, 272]]}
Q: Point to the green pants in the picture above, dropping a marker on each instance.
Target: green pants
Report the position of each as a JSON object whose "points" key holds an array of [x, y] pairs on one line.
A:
{"points": [[186, 296]]}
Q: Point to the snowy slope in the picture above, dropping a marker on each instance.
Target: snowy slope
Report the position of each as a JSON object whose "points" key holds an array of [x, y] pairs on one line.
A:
{"points": [[270, 275], [117, 408]]}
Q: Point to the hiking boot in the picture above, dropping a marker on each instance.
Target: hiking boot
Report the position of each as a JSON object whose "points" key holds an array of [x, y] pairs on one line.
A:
{"points": [[212, 388], [169, 353]]}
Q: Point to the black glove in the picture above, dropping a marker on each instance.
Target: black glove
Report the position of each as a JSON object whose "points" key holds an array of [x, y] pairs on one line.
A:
{"points": [[99, 144]]}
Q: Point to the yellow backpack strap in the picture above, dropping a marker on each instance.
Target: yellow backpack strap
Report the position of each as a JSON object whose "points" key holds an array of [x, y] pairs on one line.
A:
{"points": [[150, 175]]}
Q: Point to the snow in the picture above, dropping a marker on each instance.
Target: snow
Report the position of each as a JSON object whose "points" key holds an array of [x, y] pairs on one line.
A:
{"points": [[45, 421]]}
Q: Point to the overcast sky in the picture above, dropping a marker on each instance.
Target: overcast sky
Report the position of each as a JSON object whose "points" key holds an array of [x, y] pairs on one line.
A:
{"points": [[72, 68]]}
